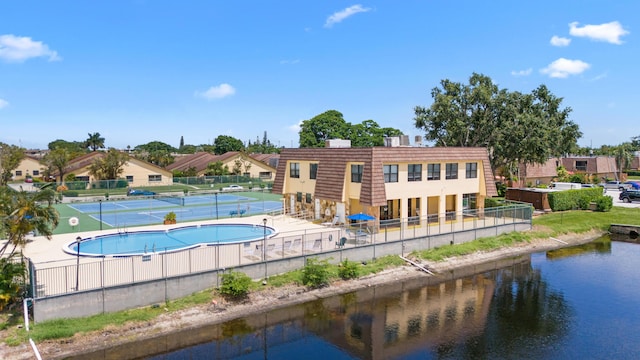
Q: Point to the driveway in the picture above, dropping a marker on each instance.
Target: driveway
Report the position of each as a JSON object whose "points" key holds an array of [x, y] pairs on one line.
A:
{"points": [[615, 194]]}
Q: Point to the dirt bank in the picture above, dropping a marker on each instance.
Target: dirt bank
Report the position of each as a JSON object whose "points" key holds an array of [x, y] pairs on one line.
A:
{"points": [[263, 301]]}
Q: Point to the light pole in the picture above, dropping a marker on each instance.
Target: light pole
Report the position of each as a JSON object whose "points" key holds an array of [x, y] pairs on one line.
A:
{"points": [[264, 247], [78, 241], [100, 202], [216, 193]]}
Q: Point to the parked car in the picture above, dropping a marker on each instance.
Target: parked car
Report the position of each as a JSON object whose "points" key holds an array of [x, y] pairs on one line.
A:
{"points": [[635, 185], [140, 192], [629, 195], [615, 185], [232, 188]]}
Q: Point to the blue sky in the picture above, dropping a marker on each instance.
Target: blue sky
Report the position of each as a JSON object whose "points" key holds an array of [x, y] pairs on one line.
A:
{"points": [[140, 70]]}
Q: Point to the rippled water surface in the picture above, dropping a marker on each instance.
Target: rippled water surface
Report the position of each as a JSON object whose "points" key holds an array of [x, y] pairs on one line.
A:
{"points": [[576, 303]]}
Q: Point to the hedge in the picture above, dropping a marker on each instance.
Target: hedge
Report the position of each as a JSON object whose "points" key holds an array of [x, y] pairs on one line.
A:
{"points": [[573, 199]]}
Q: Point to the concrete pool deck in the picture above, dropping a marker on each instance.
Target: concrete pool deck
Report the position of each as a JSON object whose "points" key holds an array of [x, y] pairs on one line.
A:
{"points": [[42, 251]]}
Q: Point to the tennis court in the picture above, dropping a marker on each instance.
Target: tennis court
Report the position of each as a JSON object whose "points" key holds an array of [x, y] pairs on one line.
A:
{"points": [[136, 212]]}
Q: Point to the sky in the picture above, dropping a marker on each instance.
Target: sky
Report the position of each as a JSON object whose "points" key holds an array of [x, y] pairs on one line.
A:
{"points": [[138, 71]]}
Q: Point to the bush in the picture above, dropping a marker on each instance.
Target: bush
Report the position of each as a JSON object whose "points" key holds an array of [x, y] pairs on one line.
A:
{"points": [[604, 203], [315, 273], [573, 199], [235, 284], [70, 193], [348, 270]]}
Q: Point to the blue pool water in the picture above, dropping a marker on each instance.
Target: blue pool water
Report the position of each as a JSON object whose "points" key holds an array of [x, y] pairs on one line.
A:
{"points": [[141, 242]]}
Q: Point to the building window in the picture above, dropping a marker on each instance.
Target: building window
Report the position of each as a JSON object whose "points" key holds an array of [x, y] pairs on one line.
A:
{"points": [[472, 170], [581, 165], [309, 200], [313, 171], [155, 178], [414, 172], [81, 178], [299, 197], [130, 178], [265, 175], [356, 173], [451, 171], [433, 172], [390, 173], [36, 172], [294, 170], [18, 172]]}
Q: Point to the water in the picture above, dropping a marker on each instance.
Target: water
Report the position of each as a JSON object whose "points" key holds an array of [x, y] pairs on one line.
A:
{"points": [[138, 242], [575, 303]]}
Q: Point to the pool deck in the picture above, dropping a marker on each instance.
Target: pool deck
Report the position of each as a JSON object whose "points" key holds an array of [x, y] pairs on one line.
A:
{"points": [[42, 251]]}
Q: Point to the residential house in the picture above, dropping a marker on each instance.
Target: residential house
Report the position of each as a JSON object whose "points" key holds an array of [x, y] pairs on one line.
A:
{"points": [[261, 166], [600, 167], [29, 166], [393, 184], [136, 172], [536, 174]]}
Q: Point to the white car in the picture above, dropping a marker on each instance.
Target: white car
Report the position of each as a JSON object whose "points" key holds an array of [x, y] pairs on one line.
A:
{"points": [[232, 188]]}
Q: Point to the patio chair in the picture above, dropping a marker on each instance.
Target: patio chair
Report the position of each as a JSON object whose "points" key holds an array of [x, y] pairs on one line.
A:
{"points": [[340, 243], [317, 246], [332, 223], [253, 254]]}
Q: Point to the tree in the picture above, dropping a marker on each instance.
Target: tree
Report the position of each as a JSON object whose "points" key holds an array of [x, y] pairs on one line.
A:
{"points": [[155, 152], [94, 142], [515, 128], [74, 148], [181, 143], [56, 161], [24, 212], [328, 125], [224, 143], [216, 168], [10, 158], [624, 156], [331, 125], [110, 166]]}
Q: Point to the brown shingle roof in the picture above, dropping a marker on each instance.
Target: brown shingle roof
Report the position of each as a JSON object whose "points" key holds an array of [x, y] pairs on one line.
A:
{"points": [[332, 163]]}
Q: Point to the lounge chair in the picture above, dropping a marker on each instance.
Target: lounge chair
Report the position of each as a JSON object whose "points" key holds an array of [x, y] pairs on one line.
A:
{"points": [[340, 243], [317, 246], [253, 254], [332, 223]]}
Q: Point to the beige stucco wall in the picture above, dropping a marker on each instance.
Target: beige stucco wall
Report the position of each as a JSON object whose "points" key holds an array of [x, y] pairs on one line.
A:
{"points": [[140, 174], [28, 166], [256, 168]]}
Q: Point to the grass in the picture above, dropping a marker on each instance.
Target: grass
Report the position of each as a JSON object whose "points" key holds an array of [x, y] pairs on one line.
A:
{"points": [[553, 224]]}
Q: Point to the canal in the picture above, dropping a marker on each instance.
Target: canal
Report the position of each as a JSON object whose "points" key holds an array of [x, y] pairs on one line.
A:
{"points": [[574, 303]]}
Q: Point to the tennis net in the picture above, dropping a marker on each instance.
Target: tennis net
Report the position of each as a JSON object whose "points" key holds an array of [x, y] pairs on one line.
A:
{"points": [[177, 200]]}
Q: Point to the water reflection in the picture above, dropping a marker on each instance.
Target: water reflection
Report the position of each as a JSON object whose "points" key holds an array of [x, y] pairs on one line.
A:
{"points": [[506, 309]]}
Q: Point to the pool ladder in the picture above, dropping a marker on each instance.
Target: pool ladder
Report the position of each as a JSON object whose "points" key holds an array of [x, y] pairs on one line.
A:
{"points": [[122, 231]]}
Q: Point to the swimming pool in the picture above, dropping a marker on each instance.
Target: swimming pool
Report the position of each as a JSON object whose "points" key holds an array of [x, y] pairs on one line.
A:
{"points": [[156, 241]]}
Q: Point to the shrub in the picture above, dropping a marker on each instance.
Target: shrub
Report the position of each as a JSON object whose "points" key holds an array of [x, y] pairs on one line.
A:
{"points": [[604, 203], [315, 273], [348, 270], [11, 277], [235, 284], [573, 199], [62, 188], [70, 193], [170, 216]]}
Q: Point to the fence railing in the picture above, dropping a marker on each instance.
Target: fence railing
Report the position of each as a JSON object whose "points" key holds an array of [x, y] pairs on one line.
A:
{"points": [[58, 278]]}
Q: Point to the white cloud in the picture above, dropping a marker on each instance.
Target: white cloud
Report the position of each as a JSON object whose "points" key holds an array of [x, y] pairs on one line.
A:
{"points": [[3, 103], [343, 14], [559, 41], [217, 92], [562, 68], [609, 32], [296, 127], [526, 72], [18, 49]]}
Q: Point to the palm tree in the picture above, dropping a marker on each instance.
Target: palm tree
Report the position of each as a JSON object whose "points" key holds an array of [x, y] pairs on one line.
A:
{"points": [[624, 156], [95, 142], [22, 213]]}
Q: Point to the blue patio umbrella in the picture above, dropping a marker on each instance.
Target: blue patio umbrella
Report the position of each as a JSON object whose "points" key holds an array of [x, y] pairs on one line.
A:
{"points": [[361, 217]]}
